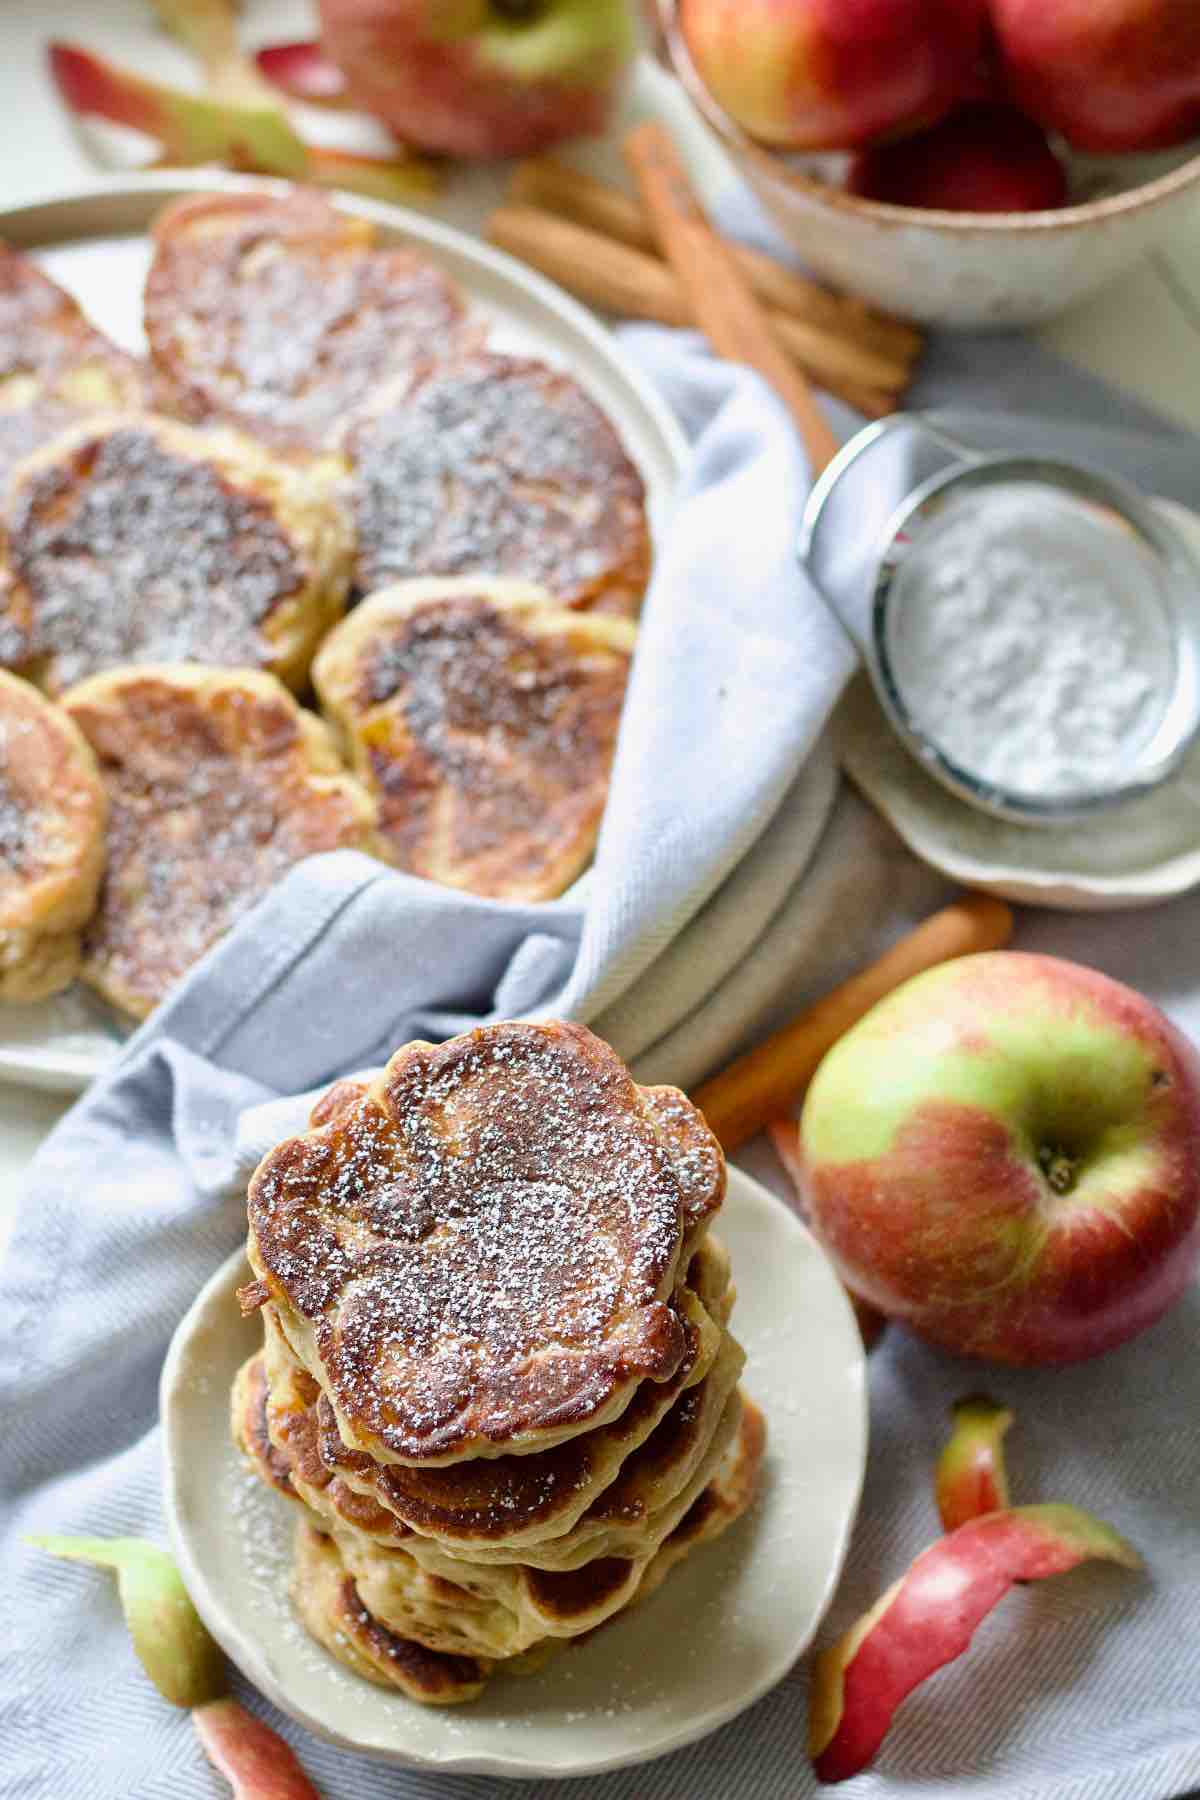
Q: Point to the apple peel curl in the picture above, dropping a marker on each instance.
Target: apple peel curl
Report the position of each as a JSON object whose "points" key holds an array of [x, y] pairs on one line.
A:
{"points": [[928, 1618], [255, 1761], [302, 71], [971, 1477], [785, 1139], [168, 1635], [201, 128]]}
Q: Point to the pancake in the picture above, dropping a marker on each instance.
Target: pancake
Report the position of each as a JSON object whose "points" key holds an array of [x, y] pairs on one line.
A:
{"points": [[331, 1607], [505, 464], [218, 783], [731, 1492], [276, 313], [465, 1608], [510, 1501], [55, 367], [481, 1255], [635, 1511], [513, 1607], [328, 1605], [484, 720], [136, 539], [52, 815]]}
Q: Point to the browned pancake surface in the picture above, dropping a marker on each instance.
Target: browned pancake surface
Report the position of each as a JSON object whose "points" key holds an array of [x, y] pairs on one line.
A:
{"points": [[485, 723], [55, 367], [504, 464], [483, 1248], [143, 541], [52, 815], [218, 784], [278, 314], [329, 1605]]}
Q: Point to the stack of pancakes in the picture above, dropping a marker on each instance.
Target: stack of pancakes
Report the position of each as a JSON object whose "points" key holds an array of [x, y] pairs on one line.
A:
{"points": [[496, 1377]]}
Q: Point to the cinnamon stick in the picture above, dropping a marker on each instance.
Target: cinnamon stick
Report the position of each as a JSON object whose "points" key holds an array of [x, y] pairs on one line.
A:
{"points": [[726, 309], [611, 276], [767, 1080], [556, 187]]}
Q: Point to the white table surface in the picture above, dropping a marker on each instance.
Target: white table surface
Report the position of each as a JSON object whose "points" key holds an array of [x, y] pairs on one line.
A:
{"points": [[1143, 332]]}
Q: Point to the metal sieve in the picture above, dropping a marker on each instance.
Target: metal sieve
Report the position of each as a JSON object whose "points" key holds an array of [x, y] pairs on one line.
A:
{"points": [[872, 538]]}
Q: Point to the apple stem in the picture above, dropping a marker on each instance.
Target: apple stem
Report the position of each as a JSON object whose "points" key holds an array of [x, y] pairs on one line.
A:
{"points": [[1058, 1168]]}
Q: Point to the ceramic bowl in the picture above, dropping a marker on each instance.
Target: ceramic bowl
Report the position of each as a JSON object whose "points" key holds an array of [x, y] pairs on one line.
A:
{"points": [[974, 270]]}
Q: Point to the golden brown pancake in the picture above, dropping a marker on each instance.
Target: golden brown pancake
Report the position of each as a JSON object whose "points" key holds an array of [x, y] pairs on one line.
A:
{"points": [[276, 313], [331, 1608], [481, 1255], [55, 367], [136, 539], [52, 816], [513, 1607], [511, 1501], [218, 783], [484, 720], [504, 464]]}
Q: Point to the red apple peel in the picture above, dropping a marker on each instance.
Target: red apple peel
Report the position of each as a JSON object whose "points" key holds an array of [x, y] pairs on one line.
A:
{"points": [[200, 128], [191, 128], [254, 1759], [928, 1618], [785, 1139], [302, 71], [971, 1478]]}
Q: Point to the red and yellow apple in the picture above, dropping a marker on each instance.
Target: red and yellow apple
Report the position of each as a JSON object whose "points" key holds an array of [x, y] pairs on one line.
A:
{"points": [[834, 74], [1005, 1153], [1110, 75], [481, 78], [981, 159]]}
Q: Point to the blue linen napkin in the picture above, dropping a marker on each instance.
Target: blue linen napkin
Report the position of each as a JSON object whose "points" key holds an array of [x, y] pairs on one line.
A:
{"points": [[724, 890]]}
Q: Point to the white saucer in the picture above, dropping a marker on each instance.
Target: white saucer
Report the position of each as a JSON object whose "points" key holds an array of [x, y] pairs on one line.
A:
{"points": [[1133, 855], [722, 1630]]}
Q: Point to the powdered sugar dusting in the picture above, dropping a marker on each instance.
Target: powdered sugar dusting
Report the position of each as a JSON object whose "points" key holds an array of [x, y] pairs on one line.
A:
{"points": [[502, 464], [496, 768], [128, 549], [211, 801], [489, 1249], [286, 321], [17, 825]]}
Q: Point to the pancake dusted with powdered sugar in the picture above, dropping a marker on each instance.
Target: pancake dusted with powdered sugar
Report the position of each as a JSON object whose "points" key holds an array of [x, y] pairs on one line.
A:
{"points": [[279, 314], [138, 540], [55, 367], [481, 1254], [513, 1503], [332, 1607], [502, 464], [52, 813], [218, 783], [484, 720]]}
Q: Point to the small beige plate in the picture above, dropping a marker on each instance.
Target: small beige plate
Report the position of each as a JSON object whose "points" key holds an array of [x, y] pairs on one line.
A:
{"points": [[1135, 854], [722, 1630]]}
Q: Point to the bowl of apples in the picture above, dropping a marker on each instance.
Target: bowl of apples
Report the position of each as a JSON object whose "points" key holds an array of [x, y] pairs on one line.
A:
{"points": [[977, 163]]}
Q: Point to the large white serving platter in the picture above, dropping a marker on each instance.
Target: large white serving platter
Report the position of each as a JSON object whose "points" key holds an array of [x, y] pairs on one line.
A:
{"points": [[94, 242], [724, 1628]]}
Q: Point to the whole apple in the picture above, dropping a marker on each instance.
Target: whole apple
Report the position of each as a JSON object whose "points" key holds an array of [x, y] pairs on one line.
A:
{"points": [[834, 74], [481, 78], [1005, 1153], [980, 159], [1109, 75]]}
